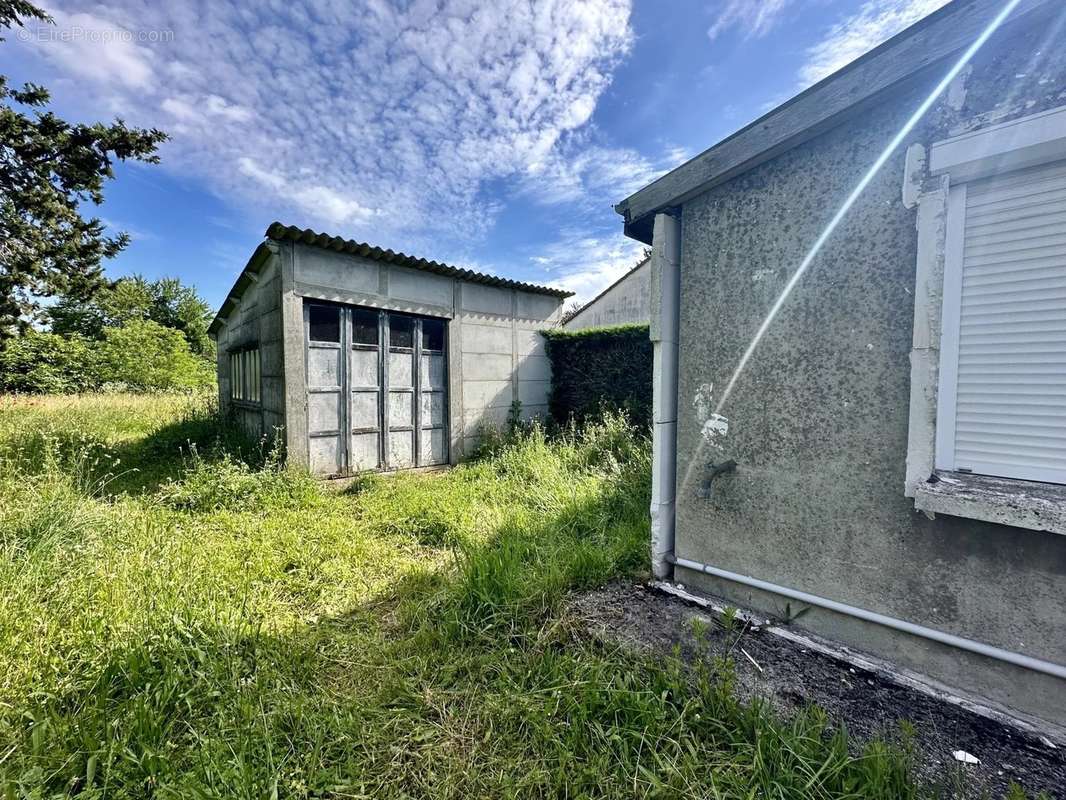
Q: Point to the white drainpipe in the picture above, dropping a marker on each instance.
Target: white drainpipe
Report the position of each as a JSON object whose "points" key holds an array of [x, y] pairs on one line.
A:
{"points": [[665, 303]]}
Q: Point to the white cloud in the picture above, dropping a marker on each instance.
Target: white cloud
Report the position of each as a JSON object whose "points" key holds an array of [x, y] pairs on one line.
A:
{"points": [[752, 17], [875, 22], [594, 175], [586, 264], [94, 46], [385, 123], [312, 198]]}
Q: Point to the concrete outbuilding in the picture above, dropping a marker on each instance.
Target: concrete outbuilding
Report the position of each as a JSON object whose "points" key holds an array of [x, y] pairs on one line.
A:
{"points": [[627, 301], [859, 320], [366, 359]]}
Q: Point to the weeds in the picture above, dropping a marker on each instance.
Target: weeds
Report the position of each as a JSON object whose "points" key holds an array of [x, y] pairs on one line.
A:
{"points": [[227, 483], [217, 625]]}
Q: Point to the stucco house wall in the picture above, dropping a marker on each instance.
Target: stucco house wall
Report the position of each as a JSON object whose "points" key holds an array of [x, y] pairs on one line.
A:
{"points": [[818, 422], [495, 352], [626, 301]]}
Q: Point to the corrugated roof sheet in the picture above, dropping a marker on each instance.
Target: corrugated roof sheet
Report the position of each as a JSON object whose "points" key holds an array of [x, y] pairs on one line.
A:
{"points": [[290, 233]]}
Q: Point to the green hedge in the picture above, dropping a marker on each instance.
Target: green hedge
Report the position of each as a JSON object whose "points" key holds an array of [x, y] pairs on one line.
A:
{"points": [[599, 367]]}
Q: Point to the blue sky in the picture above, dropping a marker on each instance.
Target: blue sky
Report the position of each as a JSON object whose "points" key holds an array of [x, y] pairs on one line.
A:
{"points": [[495, 136]]}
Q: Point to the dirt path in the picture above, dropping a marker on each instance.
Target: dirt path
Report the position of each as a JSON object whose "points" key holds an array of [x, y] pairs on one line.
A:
{"points": [[791, 676]]}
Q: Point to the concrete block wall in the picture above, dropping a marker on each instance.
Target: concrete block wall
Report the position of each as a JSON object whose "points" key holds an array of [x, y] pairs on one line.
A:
{"points": [[627, 301], [502, 355], [256, 321]]}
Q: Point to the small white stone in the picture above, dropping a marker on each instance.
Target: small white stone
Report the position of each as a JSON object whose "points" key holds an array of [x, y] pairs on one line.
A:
{"points": [[965, 758]]}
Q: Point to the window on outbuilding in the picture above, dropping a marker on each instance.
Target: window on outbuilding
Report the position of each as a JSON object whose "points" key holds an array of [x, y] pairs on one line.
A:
{"points": [[433, 335], [365, 326], [401, 331], [324, 323], [245, 375]]}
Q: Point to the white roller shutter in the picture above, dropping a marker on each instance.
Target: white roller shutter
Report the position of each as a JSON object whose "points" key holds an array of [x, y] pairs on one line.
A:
{"points": [[1003, 381]]}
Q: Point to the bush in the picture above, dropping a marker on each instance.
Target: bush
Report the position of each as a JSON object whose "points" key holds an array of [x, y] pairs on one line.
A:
{"points": [[601, 368], [44, 363], [145, 355]]}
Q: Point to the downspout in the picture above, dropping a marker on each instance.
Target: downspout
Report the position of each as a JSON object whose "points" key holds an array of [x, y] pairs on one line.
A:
{"points": [[665, 302]]}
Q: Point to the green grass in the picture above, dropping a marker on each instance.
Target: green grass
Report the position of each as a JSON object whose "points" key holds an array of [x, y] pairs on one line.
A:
{"points": [[183, 617]]}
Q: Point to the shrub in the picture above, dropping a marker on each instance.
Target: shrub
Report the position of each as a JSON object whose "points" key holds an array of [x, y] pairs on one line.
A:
{"points": [[145, 355], [44, 363], [601, 368]]}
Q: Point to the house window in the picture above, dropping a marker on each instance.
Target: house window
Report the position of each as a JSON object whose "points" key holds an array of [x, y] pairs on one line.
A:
{"points": [[1002, 394], [245, 375], [987, 433]]}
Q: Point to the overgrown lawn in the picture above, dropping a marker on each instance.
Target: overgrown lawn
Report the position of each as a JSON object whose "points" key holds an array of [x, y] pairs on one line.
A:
{"points": [[181, 616]]}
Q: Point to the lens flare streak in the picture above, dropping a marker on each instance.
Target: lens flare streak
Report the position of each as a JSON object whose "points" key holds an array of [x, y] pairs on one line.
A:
{"points": [[892, 146]]}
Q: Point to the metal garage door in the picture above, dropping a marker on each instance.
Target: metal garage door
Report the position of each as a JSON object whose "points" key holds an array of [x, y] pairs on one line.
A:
{"points": [[384, 405]]}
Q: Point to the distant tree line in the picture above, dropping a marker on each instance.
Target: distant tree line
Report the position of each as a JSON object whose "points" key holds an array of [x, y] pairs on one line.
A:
{"points": [[133, 334], [63, 326]]}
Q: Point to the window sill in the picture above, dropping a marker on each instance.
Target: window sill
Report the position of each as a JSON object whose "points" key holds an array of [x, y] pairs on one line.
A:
{"points": [[1021, 504]]}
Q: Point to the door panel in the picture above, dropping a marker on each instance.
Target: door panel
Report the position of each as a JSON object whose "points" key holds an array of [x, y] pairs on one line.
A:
{"points": [[326, 410], [401, 373], [365, 447], [401, 449], [365, 410], [432, 371], [401, 412], [433, 447], [432, 409], [432, 375], [326, 455], [324, 367], [401, 409], [365, 367], [365, 451]]}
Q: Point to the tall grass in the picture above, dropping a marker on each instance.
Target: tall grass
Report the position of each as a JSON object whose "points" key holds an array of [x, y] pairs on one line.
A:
{"points": [[214, 624]]}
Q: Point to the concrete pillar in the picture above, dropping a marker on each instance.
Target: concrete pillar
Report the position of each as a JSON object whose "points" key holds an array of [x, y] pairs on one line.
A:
{"points": [[665, 301], [297, 445]]}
